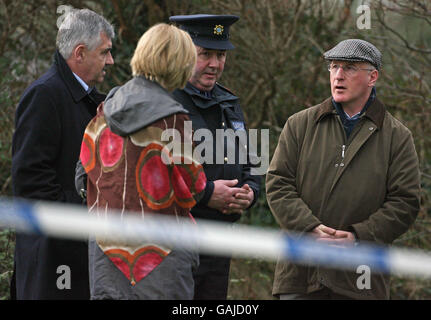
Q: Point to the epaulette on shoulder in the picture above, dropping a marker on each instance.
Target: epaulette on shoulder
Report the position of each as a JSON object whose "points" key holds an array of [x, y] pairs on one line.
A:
{"points": [[226, 89]]}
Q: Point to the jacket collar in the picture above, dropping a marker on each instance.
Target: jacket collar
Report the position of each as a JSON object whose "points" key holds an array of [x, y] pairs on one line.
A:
{"points": [[375, 111], [217, 95], [73, 85]]}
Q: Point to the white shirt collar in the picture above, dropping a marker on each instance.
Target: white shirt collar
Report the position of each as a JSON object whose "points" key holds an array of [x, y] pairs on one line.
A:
{"points": [[83, 84], [354, 117]]}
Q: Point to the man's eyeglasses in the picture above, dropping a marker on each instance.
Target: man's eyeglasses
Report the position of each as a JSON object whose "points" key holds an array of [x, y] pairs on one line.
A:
{"points": [[349, 69]]}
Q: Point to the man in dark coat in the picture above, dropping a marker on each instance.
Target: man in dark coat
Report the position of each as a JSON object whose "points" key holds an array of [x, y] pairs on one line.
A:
{"points": [[49, 124], [231, 186]]}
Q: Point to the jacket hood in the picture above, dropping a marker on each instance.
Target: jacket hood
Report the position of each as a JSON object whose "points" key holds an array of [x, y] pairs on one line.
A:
{"points": [[136, 104]]}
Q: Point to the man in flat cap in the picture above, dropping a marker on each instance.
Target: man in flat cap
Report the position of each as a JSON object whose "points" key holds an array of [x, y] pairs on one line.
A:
{"points": [[231, 188], [345, 172]]}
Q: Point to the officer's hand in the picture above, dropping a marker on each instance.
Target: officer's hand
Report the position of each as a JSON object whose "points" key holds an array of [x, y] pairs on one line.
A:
{"points": [[243, 200], [223, 194]]}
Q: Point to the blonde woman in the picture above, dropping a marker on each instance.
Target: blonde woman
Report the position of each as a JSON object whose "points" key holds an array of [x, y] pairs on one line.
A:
{"points": [[122, 154]]}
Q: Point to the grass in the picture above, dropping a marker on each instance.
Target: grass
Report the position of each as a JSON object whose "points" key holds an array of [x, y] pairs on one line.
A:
{"points": [[251, 279]]}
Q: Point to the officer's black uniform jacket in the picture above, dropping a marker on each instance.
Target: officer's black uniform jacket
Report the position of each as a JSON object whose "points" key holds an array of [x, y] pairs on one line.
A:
{"points": [[231, 117], [49, 124]]}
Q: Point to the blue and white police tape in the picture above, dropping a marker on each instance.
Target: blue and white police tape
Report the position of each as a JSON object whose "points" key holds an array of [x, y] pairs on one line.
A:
{"points": [[74, 222]]}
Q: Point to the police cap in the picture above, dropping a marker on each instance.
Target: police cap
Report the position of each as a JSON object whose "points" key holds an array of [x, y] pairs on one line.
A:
{"points": [[207, 30]]}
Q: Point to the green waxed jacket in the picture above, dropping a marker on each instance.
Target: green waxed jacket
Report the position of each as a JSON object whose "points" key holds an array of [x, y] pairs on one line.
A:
{"points": [[368, 183]]}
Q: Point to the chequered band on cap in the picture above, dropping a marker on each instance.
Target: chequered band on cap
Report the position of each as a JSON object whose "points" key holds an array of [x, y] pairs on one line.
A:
{"points": [[355, 50]]}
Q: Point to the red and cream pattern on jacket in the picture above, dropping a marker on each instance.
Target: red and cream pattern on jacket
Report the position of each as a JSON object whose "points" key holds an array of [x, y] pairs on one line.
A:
{"points": [[128, 174]]}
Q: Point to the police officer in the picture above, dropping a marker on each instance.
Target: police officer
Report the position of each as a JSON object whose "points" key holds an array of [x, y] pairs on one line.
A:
{"points": [[231, 188]]}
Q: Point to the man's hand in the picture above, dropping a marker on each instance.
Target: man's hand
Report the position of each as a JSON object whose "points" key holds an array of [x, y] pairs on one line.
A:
{"points": [[340, 239], [223, 194], [323, 232], [332, 236]]}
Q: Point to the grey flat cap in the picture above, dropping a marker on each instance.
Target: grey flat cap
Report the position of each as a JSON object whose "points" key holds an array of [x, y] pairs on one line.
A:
{"points": [[355, 50]]}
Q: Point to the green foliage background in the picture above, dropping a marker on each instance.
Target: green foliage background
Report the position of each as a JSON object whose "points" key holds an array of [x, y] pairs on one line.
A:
{"points": [[277, 69]]}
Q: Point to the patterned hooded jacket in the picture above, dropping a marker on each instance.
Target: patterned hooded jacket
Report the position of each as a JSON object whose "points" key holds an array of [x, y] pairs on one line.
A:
{"points": [[122, 153]]}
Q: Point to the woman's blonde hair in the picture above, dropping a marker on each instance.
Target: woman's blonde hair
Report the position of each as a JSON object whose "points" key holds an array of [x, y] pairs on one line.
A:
{"points": [[165, 54]]}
